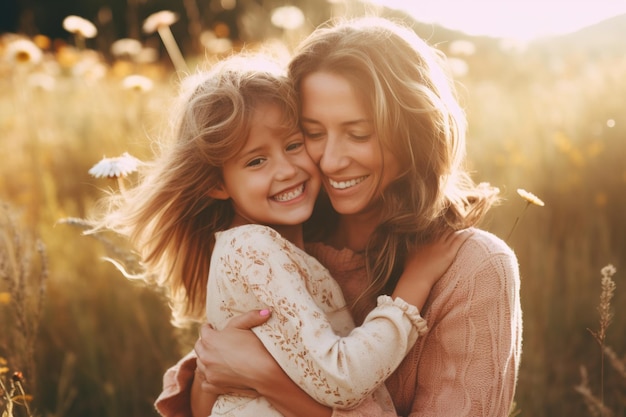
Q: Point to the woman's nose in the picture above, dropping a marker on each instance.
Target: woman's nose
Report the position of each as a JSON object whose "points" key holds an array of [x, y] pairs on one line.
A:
{"points": [[333, 156]]}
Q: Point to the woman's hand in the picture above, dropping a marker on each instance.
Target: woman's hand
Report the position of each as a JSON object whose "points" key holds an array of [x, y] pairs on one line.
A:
{"points": [[426, 265], [233, 360]]}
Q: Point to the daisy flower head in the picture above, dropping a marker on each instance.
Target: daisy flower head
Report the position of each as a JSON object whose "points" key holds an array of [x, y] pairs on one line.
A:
{"points": [[137, 83], [80, 26], [214, 44], [23, 52], [160, 22], [116, 167], [42, 81], [159, 19], [287, 17], [126, 47], [530, 197]]}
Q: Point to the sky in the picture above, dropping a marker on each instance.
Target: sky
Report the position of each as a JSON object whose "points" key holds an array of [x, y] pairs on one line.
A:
{"points": [[518, 19]]}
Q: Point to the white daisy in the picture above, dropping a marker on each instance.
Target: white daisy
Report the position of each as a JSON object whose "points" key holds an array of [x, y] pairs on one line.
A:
{"points": [[80, 26], [115, 167]]}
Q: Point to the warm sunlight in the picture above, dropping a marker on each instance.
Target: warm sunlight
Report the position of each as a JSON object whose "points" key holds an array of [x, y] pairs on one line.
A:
{"points": [[520, 19]]}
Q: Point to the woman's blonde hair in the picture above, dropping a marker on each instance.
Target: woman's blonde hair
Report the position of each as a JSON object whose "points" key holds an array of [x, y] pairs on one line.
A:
{"points": [[405, 86], [169, 216]]}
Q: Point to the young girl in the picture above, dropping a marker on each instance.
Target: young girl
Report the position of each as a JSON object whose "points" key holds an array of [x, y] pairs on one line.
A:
{"points": [[225, 201]]}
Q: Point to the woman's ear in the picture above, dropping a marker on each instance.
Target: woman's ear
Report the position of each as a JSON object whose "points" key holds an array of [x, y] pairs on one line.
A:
{"points": [[219, 193]]}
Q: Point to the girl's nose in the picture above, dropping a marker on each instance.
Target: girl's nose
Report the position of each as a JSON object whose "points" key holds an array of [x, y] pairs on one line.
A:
{"points": [[285, 169]]}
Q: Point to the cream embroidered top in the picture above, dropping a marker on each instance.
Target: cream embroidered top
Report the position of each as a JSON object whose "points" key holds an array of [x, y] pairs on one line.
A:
{"points": [[311, 333]]}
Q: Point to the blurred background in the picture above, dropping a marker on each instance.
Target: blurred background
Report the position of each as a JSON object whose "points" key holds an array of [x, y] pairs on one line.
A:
{"points": [[545, 93]]}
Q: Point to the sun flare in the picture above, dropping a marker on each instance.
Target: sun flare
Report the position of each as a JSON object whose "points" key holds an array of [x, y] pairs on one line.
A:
{"points": [[518, 19]]}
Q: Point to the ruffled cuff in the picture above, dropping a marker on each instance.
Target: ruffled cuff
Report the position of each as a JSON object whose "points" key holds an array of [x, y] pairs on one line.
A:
{"points": [[174, 400], [410, 311]]}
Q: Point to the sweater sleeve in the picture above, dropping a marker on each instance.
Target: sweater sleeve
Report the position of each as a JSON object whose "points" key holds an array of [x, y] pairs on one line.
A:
{"points": [[469, 363], [329, 367], [175, 400]]}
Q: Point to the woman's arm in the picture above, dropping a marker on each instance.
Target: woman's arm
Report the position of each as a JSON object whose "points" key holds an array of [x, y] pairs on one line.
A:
{"points": [[201, 401]]}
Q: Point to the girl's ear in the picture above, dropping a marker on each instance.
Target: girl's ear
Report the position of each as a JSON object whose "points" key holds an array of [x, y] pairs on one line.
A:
{"points": [[219, 193]]}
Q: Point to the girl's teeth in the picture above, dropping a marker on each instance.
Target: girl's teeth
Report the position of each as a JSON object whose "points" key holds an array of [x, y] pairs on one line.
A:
{"points": [[342, 185], [290, 195]]}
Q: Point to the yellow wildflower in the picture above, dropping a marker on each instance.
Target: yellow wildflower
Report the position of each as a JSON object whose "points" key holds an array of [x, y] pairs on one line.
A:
{"points": [[5, 298]]}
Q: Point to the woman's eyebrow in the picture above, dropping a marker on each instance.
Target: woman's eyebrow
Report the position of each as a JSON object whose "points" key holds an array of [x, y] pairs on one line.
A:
{"points": [[346, 123]]}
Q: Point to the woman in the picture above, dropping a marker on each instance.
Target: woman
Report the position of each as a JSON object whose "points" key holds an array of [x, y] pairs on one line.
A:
{"points": [[382, 122]]}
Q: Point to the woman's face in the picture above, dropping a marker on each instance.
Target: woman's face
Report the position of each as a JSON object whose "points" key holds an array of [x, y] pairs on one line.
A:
{"points": [[340, 137]]}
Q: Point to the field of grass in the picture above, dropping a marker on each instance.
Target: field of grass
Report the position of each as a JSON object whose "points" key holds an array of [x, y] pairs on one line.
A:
{"points": [[90, 342]]}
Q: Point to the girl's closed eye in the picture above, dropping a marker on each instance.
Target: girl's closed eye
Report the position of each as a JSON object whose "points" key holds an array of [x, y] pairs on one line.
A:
{"points": [[294, 146]]}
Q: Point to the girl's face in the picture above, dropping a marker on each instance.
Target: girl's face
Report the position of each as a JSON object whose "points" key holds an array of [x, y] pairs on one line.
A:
{"points": [[341, 139], [272, 180]]}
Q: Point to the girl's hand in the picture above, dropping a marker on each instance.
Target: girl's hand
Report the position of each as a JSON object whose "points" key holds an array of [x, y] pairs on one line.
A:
{"points": [[233, 360], [426, 265]]}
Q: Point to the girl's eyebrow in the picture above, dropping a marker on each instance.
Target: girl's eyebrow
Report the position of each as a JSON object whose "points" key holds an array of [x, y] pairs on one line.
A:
{"points": [[246, 153]]}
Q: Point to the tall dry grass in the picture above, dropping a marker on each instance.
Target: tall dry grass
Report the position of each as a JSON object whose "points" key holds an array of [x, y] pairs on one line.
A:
{"points": [[102, 343], [596, 402]]}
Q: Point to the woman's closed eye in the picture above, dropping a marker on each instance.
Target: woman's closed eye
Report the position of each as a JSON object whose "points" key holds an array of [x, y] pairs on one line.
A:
{"points": [[360, 136], [313, 135]]}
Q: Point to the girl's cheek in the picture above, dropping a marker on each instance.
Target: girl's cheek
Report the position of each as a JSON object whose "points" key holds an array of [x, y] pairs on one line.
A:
{"points": [[315, 151]]}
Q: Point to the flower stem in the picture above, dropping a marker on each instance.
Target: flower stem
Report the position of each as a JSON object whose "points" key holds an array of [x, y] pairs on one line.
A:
{"points": [[172, 48], [120, 184], [517, 220]]}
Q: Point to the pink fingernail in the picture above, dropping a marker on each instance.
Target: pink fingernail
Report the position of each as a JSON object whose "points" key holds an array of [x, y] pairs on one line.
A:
{"points": [[264, 312]]}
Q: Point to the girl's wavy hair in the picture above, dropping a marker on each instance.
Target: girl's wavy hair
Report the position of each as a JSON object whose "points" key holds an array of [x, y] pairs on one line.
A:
{"points": [[169, 217], [407, 90]]}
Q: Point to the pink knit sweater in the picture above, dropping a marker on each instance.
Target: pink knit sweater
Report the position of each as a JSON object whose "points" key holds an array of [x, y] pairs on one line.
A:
{"points": [[466, 365]]}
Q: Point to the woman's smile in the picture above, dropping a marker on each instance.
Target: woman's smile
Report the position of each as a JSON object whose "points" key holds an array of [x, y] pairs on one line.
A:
{"points": [[342, 185]]}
